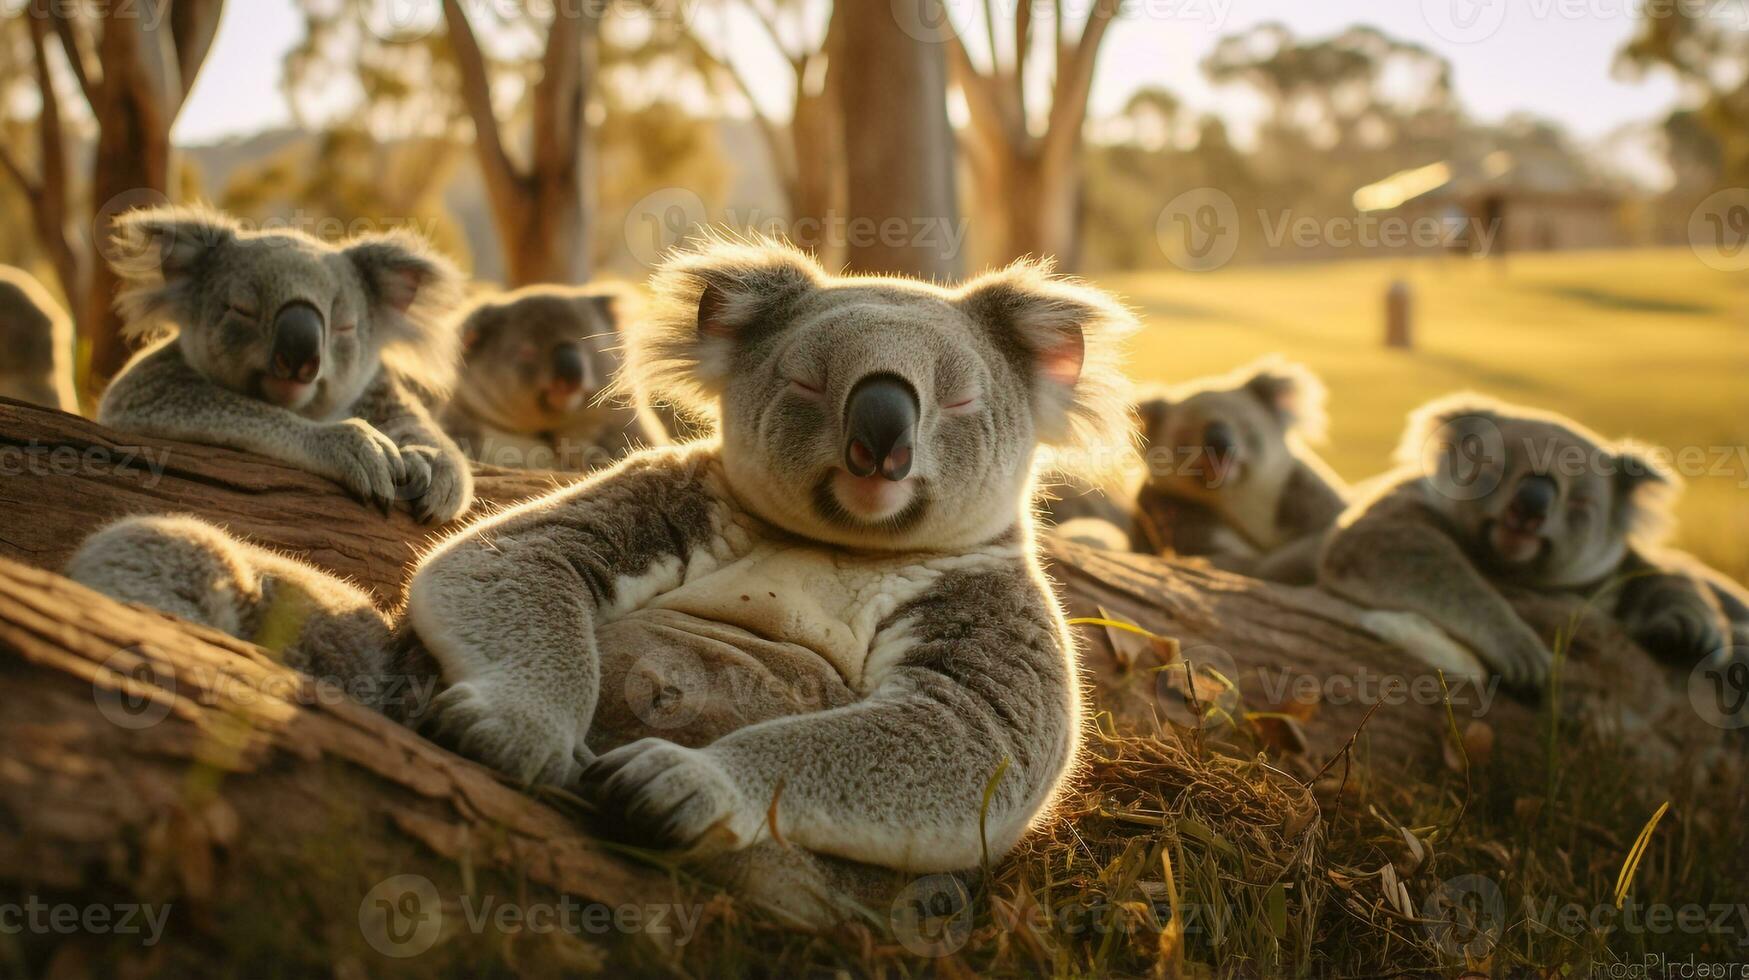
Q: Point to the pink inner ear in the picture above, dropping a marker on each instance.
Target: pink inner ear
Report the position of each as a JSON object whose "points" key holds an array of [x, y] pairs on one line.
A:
{"points": [[401, 287], [711, 321], [1061, 362]]}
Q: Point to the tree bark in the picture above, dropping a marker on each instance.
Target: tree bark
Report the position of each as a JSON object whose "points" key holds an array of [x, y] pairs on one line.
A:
{"points": [[1028, 184], [901, 213], [540, 210]]}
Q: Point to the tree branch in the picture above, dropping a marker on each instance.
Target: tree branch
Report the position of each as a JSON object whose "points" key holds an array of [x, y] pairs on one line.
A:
{"points": [[501, 175], [90, 80], [193, 25], [1075, 84], [560, 94]]}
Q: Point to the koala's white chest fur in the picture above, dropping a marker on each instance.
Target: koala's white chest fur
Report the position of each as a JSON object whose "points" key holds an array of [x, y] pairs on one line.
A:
{"points": [[752, 629]]}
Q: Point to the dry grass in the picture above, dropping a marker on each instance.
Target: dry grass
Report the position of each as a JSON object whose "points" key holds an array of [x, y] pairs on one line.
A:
{"points": [[1171, 859]]}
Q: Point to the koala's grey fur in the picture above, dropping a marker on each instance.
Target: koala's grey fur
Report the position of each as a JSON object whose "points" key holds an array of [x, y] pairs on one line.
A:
{"points": [[1263, 508], [206, 292], [36, 344], [734, 634], [1433, 542], [506, 410]]}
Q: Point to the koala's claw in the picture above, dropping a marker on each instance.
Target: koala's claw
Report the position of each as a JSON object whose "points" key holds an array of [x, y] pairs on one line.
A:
{"points": [[521, 744], [663, 795], [363, 460], [437, 485], [1528, 669]]}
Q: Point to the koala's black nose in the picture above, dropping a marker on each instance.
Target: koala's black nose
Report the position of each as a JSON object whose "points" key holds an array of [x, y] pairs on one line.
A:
{"points": [[1220, 440], [880, 423], [1533, 498], [568, 367], [297, 343]]}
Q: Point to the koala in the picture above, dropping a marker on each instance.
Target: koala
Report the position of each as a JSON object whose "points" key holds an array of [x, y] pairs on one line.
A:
{"points": [[537, 365], [1228, 473], [37, 338], [326, 357], [810, 653], [1492, 497]]}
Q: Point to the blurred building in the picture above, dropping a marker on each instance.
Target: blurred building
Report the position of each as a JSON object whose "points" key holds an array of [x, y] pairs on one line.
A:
{"points": [[1497, 203]]}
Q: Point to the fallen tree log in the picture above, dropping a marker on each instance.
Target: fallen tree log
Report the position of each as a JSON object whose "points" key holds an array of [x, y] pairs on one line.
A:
{"points": [[64, 476], [91, 798]]}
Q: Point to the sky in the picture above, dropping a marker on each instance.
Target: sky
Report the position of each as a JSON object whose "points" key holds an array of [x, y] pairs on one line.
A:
{"points": [[1551, 58]]}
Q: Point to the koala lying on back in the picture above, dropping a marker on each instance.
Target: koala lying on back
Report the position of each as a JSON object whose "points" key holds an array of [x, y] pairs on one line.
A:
{"points": [[535, 365], [1229, 476], [830, 621], [1494, 495], [36, 344], [316, 355]]}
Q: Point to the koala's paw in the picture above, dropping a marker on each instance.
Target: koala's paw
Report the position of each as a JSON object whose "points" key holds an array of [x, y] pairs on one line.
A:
{"points": [[507, 732], [1683, 635], [438, 484], [667, 796], [362, 460], [1525, 663]]}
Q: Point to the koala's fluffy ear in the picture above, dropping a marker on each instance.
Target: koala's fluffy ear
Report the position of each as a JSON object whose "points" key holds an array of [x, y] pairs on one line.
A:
{"points": [[1462, 426], [1646, 491], [705, 303], [157, 252], [611, 305], [1294, 394], [411, 290], [1073, 336], [1149, 414]]}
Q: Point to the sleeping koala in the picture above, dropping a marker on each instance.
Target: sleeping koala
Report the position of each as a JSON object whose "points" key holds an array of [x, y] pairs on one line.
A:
{"points": [[37, 341], [317, 355], [536, 364], [1229, 475], [1497, 496], [800, 652]]}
